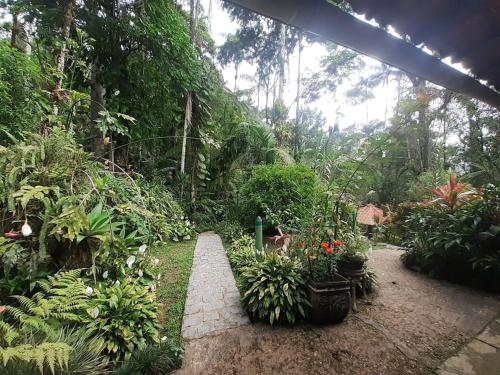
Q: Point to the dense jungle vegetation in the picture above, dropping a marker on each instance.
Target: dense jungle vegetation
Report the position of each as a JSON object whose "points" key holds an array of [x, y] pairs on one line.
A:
{"points": [[119, 141]]}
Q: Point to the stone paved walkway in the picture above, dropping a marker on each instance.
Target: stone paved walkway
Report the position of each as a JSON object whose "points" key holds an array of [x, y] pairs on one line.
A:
{"points": [[410, 326], [481, 356], [213, 301]]}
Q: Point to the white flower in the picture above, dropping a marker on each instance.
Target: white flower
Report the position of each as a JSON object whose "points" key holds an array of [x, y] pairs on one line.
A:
{"points": [[187, 238], [152, 287], [105, 275], [156, 261], [26, 229], [89, 291], [164, 338], [159, 276], [142, 249], [94, 313], [182, 217], [117, 282], [187, 223], [140, 273], [130, 261]]}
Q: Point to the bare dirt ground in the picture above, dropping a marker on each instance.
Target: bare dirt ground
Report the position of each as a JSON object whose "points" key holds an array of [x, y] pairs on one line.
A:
{"points": [[409, 326]]}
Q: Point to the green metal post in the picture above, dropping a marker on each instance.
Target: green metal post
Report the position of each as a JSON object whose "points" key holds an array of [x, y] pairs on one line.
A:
{"points": [[259, 245], [354, 220]]}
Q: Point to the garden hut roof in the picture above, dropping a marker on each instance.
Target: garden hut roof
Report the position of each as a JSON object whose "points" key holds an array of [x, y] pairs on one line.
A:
{"points": [[370, 215], [467, 31]]}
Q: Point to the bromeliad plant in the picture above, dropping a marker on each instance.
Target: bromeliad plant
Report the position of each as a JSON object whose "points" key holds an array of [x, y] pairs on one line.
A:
{"points": [[453, 194]]}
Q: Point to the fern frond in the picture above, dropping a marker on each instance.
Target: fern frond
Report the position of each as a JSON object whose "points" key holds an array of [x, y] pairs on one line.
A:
{"points": [[9, 332], [54, 355]]}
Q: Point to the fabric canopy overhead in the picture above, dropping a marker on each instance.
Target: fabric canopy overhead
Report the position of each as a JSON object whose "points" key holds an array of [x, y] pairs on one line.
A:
{"points": [[466, 30]]}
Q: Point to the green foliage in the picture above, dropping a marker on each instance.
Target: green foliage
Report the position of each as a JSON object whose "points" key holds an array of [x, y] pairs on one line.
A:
{"points": [[153, 360], [77, 353], [274, 290], [124, 318], [60, 301], [241, 253], [322, 268], [229, 231], [287, 192], [422, 188], [22, 102], [46, 355], [460, 245]]}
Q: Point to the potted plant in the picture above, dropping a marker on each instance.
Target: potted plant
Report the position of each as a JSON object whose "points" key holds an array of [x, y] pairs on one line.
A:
{"points": [[329, 292], [349, 260]]}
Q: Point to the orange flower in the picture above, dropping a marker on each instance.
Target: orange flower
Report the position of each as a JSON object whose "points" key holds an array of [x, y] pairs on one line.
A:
{"points": [[325, 245], [329, 250], [337, 243]]}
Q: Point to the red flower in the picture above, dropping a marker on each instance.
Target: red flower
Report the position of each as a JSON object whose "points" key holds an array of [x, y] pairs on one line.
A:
{"points": [[329, 250], [337, 243], [11, 234], [324, 245]]}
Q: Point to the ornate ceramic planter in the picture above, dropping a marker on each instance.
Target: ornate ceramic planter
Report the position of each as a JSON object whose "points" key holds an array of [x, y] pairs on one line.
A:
{"points": [[350, 267], [330, 301]]}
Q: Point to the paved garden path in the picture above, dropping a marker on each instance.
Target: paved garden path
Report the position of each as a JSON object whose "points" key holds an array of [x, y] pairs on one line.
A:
{"points": [[213, 301], [412, 325]]}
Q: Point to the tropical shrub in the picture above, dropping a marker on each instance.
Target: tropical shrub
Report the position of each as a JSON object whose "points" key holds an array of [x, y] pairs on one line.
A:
{"points": [[22, 102], [61, 209], [230, 231], [274, 290], [153, 360], [242, 253], [124, 318], [64, 352], [458, 242], [35, 335], [279, 193]]}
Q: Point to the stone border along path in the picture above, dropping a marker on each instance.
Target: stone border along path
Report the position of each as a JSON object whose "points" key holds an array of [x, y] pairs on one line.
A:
{"points": [[213, 300], [481, 356]]}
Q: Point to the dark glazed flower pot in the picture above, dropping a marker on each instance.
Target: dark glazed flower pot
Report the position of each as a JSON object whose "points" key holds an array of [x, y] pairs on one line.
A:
{"points": [[346, 268], [330, 301]]}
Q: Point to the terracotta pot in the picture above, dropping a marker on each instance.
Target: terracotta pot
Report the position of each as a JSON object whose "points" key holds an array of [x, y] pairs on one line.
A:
{"points": [[330, 301]]}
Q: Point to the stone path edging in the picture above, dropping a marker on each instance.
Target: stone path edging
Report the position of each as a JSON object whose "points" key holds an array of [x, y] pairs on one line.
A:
{"points": [[481, 356], [213, 300]]}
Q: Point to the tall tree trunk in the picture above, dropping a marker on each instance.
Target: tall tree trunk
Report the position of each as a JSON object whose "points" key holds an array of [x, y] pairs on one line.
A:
{"points": [[299, 81], [267, 104], [236, 69], [18, 34], [282, 53], [194, 8], [258, 92], [61, 57], [296, 149], [210, 16], [424, 125], [187, 125], [444, 143], [97, 105]]}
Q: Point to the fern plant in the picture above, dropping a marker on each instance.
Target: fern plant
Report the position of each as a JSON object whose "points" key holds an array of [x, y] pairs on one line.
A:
{"points": [[61, 300], [66, 351]]}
